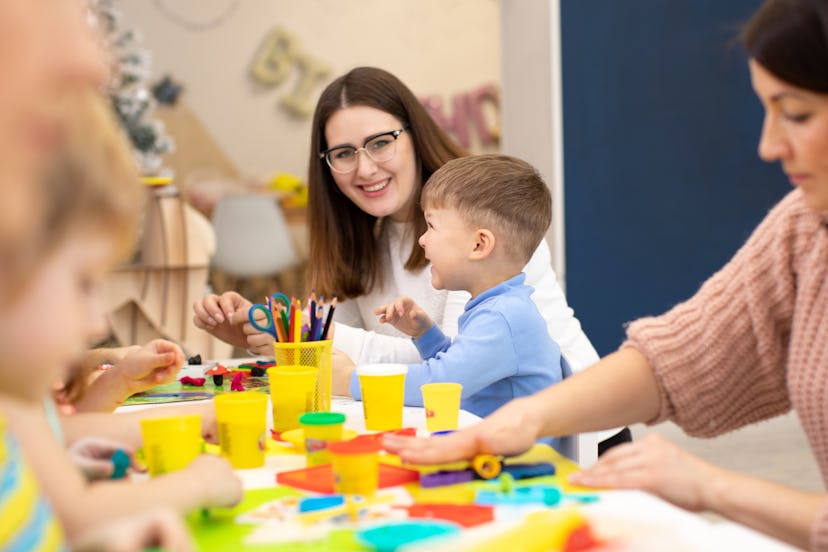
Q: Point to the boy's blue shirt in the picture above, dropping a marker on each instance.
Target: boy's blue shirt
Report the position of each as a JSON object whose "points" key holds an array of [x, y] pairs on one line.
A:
{"points": [[502, 351]]}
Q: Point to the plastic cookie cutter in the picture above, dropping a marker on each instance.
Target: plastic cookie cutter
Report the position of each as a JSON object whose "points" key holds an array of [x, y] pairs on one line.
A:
{"points": [[350, 506], [507, 493]]}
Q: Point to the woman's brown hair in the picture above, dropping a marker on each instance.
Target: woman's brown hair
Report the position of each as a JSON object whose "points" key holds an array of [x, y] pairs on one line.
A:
{"points": [[343, 244], [789, 38]]}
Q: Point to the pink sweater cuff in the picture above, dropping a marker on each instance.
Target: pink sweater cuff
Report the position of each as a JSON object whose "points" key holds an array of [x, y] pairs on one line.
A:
{"points": [[819, 531]]}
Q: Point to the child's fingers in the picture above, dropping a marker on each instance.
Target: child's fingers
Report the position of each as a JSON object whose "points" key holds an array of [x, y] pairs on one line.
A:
{"points": [[381, 309]]}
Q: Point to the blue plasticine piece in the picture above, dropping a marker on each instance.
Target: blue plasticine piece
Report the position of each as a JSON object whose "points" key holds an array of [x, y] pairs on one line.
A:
{"points": [[585, 498], [120, 463], [547, 495], [443, 478], [525, 471], [314, 503]]}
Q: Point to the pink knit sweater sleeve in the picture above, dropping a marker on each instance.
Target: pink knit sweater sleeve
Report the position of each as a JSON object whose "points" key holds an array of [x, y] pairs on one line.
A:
{"points": [[719, 357]]}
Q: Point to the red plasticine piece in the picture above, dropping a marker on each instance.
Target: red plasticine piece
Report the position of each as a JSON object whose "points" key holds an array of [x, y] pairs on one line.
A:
{"points": [[236, 384], [195, 382]]}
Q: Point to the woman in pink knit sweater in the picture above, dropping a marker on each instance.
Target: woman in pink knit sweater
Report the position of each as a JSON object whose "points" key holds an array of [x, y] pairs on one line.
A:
{"points": [[751, 344]]}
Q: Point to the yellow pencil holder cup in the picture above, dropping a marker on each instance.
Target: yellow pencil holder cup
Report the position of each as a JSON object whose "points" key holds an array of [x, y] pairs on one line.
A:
{"points": [[171, 442], [320, 429], [383, 394], [242, 425], [442, 405], [315, 354], [292, 393]]}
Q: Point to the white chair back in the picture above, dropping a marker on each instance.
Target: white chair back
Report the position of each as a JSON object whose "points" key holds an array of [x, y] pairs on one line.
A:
{"points": [[252, 237]]}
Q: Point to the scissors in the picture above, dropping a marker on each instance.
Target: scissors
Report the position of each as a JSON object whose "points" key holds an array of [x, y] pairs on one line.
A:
{"points": [[272, 325]]}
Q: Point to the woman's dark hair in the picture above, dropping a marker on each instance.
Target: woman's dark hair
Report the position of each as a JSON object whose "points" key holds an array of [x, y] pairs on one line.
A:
{"points": [[788, 38], [343, 243]]}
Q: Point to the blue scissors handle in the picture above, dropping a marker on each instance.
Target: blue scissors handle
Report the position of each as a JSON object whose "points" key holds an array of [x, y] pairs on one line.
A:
{"points": [[281, 298], [270, 327]]}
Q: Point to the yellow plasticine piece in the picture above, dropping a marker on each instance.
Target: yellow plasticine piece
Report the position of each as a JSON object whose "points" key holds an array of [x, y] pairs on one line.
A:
{"points": [[486, 466], [351, 508], [544, 531]]}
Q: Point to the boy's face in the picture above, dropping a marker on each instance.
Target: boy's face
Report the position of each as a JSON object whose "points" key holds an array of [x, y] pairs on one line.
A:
{"points": [[55, 318], [448, 242]]}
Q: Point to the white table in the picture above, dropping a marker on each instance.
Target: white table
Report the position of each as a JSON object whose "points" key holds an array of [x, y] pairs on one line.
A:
{"points": [[654, 524]]}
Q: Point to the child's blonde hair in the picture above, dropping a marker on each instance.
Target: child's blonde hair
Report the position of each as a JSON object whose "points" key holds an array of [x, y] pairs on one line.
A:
{"points": [[91, 185], [498, 192]]}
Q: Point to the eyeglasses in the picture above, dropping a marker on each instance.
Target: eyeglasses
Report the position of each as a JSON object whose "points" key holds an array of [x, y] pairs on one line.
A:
{"points": [[379, 147]]}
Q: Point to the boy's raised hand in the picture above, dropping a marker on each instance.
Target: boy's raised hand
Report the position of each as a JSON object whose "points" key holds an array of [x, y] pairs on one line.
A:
{"points": [[405, 315]]}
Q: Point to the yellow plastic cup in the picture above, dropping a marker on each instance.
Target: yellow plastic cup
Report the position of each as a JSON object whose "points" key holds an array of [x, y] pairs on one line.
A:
{"points": [[320, 430], [171, 442], [292, 391], [355, 466], [442, 405], [242, 425], [383, 393]]}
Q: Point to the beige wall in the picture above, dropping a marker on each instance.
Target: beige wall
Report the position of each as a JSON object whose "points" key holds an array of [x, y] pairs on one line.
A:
{"points": [[434, 46]]}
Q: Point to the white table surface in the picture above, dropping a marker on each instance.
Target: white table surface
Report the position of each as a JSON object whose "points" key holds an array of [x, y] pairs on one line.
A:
{"points": [[658, 526]]}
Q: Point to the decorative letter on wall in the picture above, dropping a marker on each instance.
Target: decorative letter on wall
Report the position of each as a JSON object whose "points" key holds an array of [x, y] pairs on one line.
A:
{"points": [[467, 107], [272, 64]]}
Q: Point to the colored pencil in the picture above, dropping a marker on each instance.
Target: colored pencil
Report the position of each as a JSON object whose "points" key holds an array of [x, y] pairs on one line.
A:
{"points": [[329, 319], [297, 322]]}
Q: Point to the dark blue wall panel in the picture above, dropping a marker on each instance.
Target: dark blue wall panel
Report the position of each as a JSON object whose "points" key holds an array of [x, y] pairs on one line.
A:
{"points": [[661, 127]]}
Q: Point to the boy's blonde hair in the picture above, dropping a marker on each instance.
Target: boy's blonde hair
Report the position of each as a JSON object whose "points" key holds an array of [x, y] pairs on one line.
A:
{"points": [[498, 192], [91, 185]]}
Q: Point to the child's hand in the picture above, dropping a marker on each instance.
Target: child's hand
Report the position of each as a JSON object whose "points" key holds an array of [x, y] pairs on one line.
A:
{"points": [[161, 528], [405, 315], [217, 480], [158, 362], [223, 316], [93, 455]]}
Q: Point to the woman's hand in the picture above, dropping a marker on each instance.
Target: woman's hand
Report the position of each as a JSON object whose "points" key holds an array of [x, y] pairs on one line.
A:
{"points": [[656, 465], [224, 317], [405, 315], [511, 430]]}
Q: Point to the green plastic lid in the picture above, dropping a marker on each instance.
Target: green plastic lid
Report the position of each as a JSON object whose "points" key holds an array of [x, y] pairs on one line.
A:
{"points": [[322, 418]]}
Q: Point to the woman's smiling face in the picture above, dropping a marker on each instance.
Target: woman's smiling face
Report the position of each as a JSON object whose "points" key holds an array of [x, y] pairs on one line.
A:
{"points": [[381, 189]]}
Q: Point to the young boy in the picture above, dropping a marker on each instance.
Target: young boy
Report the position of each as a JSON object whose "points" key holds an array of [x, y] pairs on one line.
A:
{"points": [[485, 216]]}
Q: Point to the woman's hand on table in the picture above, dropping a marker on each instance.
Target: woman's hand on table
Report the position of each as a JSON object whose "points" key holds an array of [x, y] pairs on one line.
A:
{"points": [[510, 430], [656, 465], [223, 316]]}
